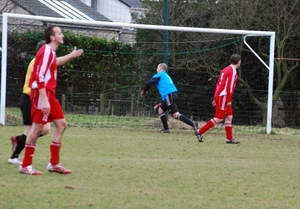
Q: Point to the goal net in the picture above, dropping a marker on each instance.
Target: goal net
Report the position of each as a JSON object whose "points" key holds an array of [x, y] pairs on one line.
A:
{"points": [[102, 87]]}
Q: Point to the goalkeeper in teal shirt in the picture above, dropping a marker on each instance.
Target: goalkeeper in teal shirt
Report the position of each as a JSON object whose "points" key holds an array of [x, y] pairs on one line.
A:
{"points": [[169, 96]]}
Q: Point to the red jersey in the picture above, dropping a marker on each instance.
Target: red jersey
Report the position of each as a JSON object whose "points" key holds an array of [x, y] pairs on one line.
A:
{"points": [[44, 71], [226, 83]]}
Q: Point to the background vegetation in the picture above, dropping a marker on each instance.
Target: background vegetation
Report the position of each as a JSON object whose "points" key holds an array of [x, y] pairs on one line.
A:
{"points": [[281, 17], [119, 70]]}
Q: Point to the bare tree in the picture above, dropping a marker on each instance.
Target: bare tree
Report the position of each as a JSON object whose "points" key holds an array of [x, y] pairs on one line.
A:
{"points": [[279, 16]]}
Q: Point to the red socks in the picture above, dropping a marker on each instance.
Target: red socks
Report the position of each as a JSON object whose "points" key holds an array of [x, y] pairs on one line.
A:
{"points": [[211, 123], [54, 152], [228, 129], [29, 152]]}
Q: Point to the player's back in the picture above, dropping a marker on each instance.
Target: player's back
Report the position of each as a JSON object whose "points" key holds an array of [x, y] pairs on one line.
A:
{"points": [[226, 81]]}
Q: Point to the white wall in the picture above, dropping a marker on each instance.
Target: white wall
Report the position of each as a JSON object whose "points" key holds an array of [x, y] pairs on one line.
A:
{"points": [[87, 2], [114, 10]]}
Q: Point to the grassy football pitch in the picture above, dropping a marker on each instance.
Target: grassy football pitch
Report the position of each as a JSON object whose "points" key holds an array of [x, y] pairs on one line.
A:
{"points": [[135, 168]]}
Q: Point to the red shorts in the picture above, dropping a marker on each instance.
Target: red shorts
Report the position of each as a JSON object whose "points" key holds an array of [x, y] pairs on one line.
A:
{"points": [[221, 108], [37, 115]]}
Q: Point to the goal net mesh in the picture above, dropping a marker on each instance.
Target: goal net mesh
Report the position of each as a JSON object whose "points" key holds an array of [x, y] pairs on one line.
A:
{"points": [[102, 87]]}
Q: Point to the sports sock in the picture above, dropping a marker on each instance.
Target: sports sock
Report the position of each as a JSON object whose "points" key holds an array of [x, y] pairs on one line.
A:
{"points": [[54, 151], [20, 146], [228, 129], [211, 123], [164, 121], [28, 156], [184, 119]]}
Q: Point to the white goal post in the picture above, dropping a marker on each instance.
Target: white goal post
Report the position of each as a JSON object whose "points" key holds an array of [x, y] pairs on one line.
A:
{"points": [[247, 33]]}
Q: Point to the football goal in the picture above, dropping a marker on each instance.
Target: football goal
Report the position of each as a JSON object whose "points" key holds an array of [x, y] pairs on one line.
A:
{"points": [[95, 104]]}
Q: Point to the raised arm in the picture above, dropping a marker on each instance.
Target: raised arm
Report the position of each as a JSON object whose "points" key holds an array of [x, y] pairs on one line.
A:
{"points": [[64, 59]]}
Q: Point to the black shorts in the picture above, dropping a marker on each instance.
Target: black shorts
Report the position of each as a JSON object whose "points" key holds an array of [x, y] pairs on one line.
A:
{"points": [[25, 106], [170, 103]]}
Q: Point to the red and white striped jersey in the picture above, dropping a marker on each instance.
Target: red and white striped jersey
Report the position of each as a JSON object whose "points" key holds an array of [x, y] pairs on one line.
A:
{"points": [[44, 73], [226, 83]]}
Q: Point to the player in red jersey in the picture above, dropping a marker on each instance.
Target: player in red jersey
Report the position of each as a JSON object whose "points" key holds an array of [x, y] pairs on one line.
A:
{"points": [[18, 142], [222, 99], [45, 107]]}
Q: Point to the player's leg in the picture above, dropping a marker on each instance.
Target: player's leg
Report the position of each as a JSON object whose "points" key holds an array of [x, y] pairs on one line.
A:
{"points": [[14, 141], [14, 158], [163, 117], [220, 111], [187, 121], [183, 118], [172, 106], [54, 164], [57, 117], [46, 129], [228, 127], [17, 147], [19, 141], [34, 133], [60, 126], [32, 137], [25, 106]]}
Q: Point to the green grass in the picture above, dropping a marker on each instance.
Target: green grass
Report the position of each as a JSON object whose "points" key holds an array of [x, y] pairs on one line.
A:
{"points": [[135, 168], [14, 118]]}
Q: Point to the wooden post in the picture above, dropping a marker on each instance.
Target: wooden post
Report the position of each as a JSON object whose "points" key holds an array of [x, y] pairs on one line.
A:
{"points": [[137, 107], [63, 102], [132, 105], [102, 104], [112, 108], [109, 107], [114, 103]]}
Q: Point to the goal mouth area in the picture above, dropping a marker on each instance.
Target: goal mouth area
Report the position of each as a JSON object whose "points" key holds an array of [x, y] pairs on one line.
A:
{"points": [[6, 16]]}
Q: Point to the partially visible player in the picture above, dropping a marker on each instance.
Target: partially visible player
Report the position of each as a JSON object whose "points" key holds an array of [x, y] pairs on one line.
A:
{"points": [[222, 99], [168, 93], [18, 142]]}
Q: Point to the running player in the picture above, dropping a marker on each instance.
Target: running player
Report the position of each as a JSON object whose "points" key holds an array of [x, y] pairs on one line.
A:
{"points": [[169, 96]]}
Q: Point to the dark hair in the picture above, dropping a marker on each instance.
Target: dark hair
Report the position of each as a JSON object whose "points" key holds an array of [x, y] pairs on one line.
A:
{"points": [[235, 58], [39, 45], [49, 32]]}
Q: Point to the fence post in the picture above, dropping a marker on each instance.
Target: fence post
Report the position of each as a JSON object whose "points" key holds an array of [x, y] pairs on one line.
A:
{"points": [[113, 108], [109, 107], [114, 103], [137, 105], [132, 105], [102, 104], [63, 102]]}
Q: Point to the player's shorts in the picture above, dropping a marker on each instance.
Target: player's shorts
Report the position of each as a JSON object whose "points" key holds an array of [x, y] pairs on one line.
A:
{"points": [[25, 106], [37, 115], [221, 108], [170, 103]]}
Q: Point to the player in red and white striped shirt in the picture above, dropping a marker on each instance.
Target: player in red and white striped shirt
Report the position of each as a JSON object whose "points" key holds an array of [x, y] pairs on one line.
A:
{"points": [[45, 107], [222, 99]]}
